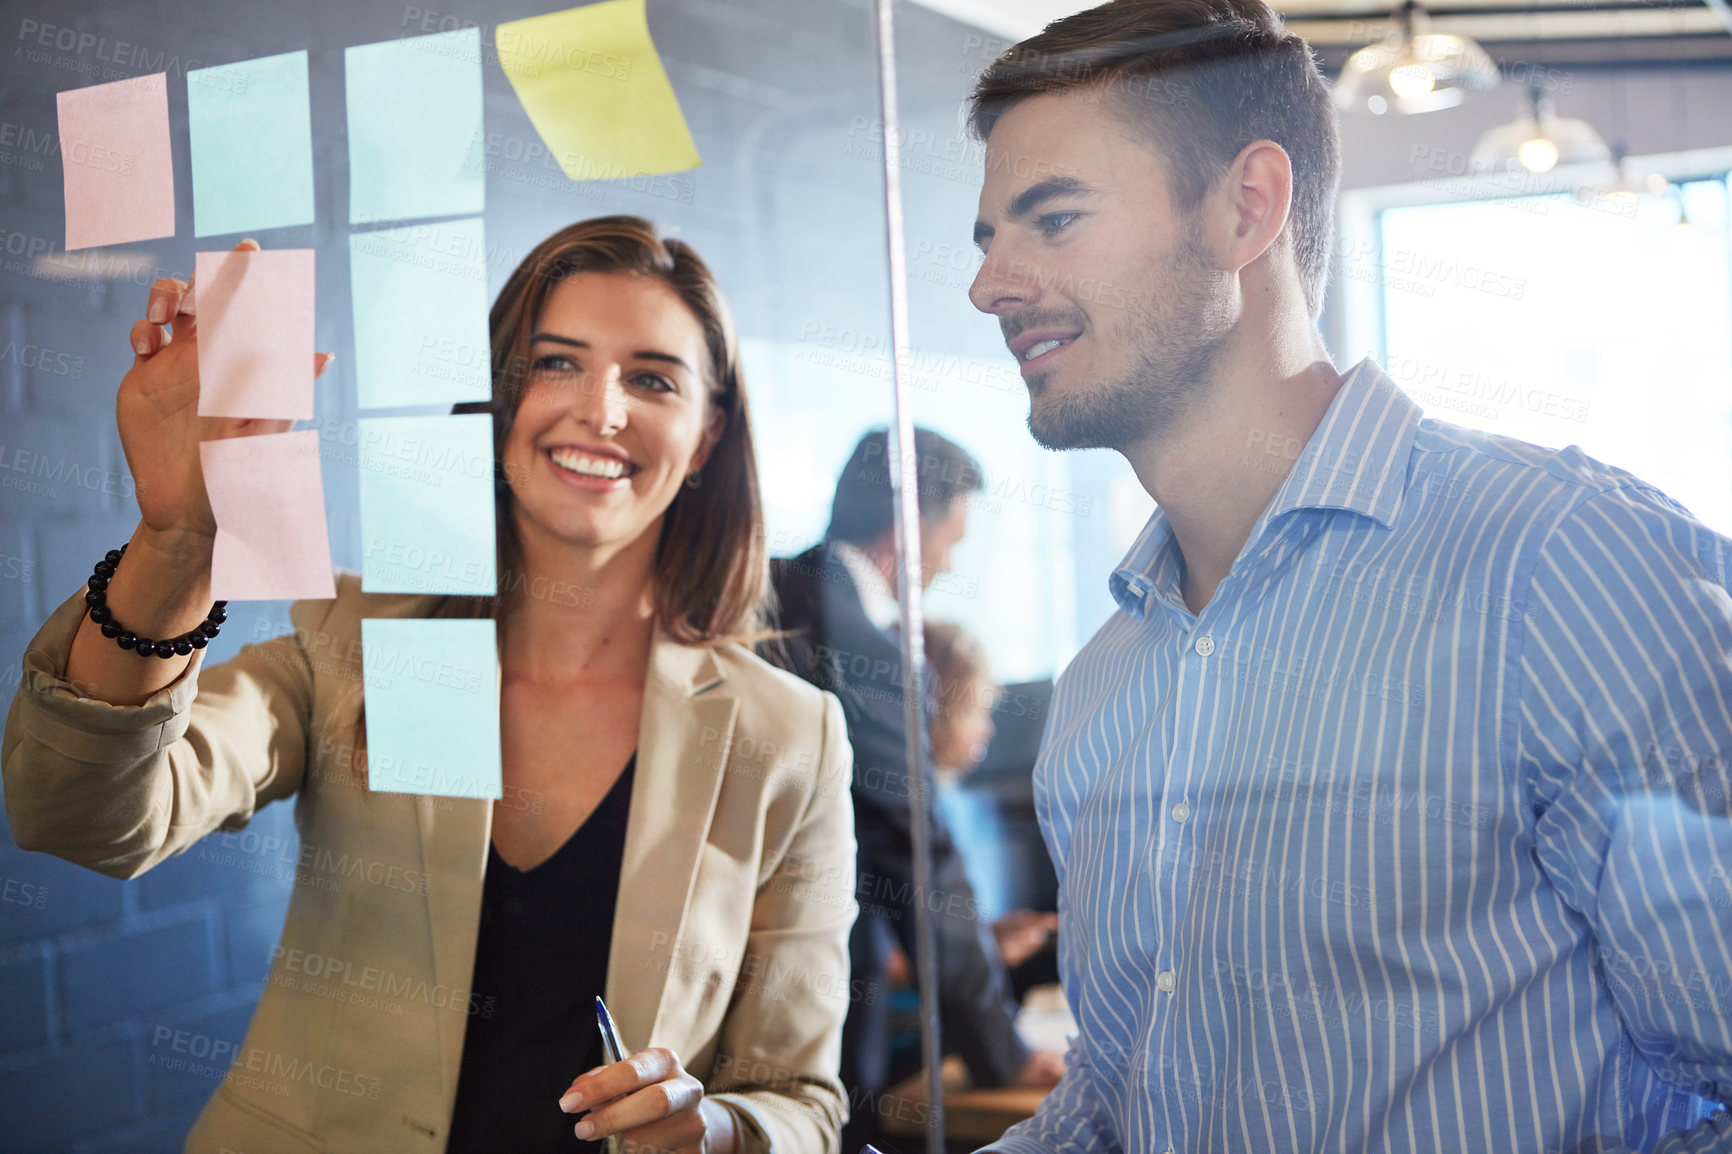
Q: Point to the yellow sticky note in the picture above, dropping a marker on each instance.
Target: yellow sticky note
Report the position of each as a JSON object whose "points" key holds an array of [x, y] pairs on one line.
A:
{"points": [[597, 92]]}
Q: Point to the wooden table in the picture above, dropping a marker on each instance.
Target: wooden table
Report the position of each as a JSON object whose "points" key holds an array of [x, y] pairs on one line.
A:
{"points": [[971, 1117]]}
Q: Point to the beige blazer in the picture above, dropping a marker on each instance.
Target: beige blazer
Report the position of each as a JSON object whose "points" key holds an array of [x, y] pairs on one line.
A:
{"points": [[730, 943]]}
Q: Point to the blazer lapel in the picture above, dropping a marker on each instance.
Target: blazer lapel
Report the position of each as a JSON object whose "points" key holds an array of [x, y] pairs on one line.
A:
{"points": [[683, 743]]}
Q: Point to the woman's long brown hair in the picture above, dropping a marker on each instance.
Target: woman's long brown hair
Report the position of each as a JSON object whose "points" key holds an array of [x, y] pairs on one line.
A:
{"points": [[711, 572]]}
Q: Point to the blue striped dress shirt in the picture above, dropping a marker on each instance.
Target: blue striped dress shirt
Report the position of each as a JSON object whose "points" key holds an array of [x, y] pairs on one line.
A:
{"points": [[1417, 838]]}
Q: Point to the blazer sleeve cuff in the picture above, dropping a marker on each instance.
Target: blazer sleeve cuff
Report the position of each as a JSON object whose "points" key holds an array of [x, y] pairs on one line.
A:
{"points": [[54, 714], [754, 1137]]}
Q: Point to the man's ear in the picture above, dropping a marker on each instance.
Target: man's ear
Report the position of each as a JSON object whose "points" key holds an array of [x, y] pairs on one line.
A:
{"points": [[1252, 203]]}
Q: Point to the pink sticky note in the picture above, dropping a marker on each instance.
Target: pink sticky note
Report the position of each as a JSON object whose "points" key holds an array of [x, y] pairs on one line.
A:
{"points": [[255, 333], [270, 513], [118, 171]]}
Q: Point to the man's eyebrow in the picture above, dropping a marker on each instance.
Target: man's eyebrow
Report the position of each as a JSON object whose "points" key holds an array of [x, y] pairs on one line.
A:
{"points": [[1036, 195], [641, 354], [1031, 198]]}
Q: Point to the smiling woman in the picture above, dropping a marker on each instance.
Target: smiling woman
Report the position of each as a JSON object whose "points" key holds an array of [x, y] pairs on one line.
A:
{"points": [[675, 831]]}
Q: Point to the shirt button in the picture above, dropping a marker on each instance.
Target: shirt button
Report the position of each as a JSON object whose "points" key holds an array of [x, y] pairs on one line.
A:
{"points": [[1205, 645], [1166, 981], [1182, 811]]}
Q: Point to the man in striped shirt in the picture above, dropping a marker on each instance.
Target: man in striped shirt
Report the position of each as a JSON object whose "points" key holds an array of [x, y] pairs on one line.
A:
{"points": [[1390, 810]]}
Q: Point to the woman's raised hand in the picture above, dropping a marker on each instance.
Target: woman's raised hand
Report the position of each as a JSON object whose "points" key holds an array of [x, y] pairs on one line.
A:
{"points": [[157, 410], [164, 587]]}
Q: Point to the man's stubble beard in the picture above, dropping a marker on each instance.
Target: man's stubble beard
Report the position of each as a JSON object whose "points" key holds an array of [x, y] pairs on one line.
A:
{"points": [[1176, 343]]}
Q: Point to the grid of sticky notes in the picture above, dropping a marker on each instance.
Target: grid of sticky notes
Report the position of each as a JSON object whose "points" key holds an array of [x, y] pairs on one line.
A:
{"points": [[595, 91], [589, 79]]}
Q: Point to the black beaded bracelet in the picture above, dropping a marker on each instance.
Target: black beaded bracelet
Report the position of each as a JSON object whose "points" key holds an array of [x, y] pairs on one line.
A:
{"points": [[97, 598]]}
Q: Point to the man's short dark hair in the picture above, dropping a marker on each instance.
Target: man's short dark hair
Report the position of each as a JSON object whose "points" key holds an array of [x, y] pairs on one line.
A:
{"points": [[1202, 79], [862, 510]]}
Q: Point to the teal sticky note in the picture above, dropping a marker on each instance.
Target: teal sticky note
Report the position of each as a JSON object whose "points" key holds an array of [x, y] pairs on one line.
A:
{"points": [[420, 301], [427, 504], [252, 145], [432, 700], [415, 127]]}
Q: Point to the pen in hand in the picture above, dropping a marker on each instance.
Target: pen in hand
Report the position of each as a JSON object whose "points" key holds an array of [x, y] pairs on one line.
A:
{"points": [[617, 1100], [612, 1050]]}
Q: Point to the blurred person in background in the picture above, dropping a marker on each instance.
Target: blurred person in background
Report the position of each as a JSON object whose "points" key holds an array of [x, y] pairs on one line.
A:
{"points": [[842, 620], [964, 694]]}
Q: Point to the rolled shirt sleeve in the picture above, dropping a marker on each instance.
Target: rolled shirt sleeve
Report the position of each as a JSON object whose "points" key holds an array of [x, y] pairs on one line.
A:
{"points": [[1625, 730]]}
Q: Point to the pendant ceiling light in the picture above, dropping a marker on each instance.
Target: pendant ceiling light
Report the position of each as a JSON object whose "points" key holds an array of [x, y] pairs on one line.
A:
{"points": [[1632, 179], [1414, 69], [1540, 141]]}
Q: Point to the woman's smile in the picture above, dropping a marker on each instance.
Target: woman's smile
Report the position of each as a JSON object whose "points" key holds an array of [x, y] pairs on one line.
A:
{"points": [[592, 469]]}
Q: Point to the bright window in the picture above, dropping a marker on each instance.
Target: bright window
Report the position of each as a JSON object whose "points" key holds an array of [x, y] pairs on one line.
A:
{"points": [[1571, 319]]}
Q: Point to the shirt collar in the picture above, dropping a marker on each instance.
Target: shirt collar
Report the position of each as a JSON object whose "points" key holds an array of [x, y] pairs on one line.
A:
{"points": [[876, 596], [1357, 460], [1136, 577]]}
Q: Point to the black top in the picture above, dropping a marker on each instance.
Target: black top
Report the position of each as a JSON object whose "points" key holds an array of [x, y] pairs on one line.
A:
{"points": [[540, 961]]}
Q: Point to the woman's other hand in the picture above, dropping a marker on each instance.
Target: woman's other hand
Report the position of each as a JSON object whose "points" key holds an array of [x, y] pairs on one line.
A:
{"points": [[157, 410], [651, 1103]]}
